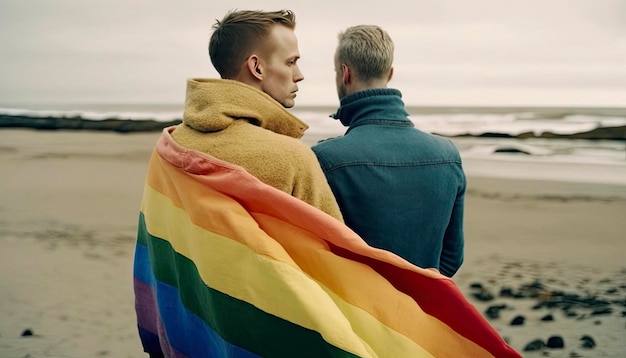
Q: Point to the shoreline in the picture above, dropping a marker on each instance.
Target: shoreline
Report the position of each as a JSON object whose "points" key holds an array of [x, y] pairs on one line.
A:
{"points": [[126, 125]]}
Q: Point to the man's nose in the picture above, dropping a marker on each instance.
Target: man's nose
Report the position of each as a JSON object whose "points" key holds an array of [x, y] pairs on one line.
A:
{"points": [[298, 76]]}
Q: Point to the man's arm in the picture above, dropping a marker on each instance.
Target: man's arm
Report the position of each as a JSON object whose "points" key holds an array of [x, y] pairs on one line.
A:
{"points": [[454, 240]]}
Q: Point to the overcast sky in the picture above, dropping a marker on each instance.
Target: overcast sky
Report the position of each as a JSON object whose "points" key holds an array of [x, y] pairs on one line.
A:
{"points": [[455, 52]]}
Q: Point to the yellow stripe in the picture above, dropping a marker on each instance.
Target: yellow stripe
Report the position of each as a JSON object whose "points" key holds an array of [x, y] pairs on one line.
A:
{"points": [[382, 339]]}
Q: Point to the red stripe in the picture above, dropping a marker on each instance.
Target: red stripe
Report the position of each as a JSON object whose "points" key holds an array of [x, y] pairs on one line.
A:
{"points": [[454, 310]]}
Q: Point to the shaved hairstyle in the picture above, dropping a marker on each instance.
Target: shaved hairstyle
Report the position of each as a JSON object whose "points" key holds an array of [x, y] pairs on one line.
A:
{"points": [[367, 49], [239, 34]]}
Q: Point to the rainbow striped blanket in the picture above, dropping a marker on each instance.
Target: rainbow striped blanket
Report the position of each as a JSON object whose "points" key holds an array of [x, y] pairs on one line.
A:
{"points": [[227, 266]]}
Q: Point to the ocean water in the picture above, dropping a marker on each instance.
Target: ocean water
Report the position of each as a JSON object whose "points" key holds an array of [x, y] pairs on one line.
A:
{"points": [[566, 158], [487, 137]]}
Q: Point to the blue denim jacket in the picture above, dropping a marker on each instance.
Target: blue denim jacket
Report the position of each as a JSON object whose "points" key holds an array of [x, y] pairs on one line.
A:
{"points": [[399, 188]]}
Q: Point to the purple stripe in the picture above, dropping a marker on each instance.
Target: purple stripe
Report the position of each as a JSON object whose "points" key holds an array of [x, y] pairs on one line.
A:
{"points": [[154, 338]]}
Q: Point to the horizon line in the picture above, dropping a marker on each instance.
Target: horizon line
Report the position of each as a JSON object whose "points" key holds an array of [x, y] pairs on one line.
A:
{"points": [[40, 105]]}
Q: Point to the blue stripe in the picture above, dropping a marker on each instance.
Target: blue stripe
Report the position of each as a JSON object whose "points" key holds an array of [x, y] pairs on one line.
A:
{"points": [[186, 332]]}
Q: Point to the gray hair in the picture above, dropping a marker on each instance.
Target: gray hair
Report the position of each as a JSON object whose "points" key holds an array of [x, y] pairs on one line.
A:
{"points": [[367, 49]]}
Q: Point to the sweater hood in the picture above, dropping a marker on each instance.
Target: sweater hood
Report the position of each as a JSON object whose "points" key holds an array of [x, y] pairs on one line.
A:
{"points": [[212, 105]]}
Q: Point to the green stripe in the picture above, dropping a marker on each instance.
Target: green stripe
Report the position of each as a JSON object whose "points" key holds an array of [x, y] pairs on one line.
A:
{"points": [[237, 321]]}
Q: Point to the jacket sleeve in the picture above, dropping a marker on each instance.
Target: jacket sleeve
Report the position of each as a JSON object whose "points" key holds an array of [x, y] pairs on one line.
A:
{"points": [[454, 241]]}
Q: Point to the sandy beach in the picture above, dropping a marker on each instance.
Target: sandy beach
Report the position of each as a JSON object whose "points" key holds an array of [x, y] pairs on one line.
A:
{"points": [[69, 202]]}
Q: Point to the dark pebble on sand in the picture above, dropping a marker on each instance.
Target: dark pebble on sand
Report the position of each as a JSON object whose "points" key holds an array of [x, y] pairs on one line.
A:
{"points": [[506, 292], [587, 342], [535, 345], [493, 312], [538, 306], [569, 313], [518, 321], [612, 291], [547, 317], [483, 295], [621, 302], [602, 311], [555, 342], [27, 333]]}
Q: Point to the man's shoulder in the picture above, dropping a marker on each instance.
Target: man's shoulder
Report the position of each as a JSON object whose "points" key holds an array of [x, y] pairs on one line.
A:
{"points": [[440, 140], [328, 144], [266, 143], [330, 139]]}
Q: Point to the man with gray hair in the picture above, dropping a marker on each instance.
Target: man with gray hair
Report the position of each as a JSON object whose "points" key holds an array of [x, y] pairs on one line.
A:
{"points": [[399, 188]]}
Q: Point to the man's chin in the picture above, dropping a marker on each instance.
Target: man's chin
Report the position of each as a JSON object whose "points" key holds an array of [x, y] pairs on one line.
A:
{"points": [[288, 103]]}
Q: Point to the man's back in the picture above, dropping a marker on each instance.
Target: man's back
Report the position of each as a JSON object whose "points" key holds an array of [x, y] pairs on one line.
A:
{"points": [[400, 189]]}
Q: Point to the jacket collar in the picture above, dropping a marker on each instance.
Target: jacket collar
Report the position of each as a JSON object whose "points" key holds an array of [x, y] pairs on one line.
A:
{"points": [[375, 104]]}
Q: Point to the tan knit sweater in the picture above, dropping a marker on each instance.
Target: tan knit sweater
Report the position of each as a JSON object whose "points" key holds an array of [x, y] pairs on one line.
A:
{"points": [[239, 124]]}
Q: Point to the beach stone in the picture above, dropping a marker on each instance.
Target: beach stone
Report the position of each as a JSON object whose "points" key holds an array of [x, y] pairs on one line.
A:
{"points": [[602, 311], [511, 150], [582, 316], [518, 321], [27, 332], [555, 342], [493, 312], [535, 345], [483, 295], [587, 342], [532, 290], [538, 306], [612, 291], [519, 295], [506, 292], [547, 317], [477, 285], [594, 302]]}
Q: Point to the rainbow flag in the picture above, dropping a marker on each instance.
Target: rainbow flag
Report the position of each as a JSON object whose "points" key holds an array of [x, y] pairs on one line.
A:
{"points": [[227, 266]]}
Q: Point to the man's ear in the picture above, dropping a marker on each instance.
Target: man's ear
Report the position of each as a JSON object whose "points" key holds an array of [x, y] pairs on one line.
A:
{"points": [[346, 75], [254, 67]]}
